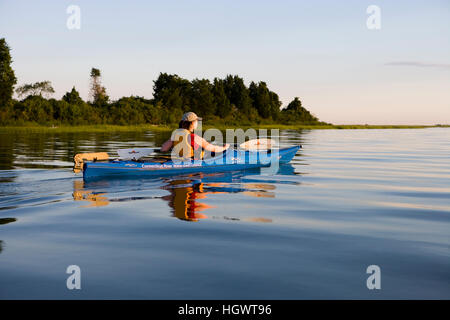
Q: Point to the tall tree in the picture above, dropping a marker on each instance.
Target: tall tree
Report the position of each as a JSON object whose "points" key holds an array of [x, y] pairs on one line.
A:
{"points": [[73, 97], [275, 105], [202, 98], [238, 93], [7, 76], [260, 95], [295, 105], [42, 88], [223, 105], [297, 113], [98, 92], [173, 99], [172, 91]]}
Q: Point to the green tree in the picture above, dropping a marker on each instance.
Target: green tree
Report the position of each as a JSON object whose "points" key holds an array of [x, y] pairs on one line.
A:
{"points": [[73, 97], [98, 92], [202, 98], [128, 110], [172, 92], [238, 94], [275, 104], [295, 105], [65, 112], [42, 88], [173, 100], [295, 112], [7, 76], [223, 105], [260, 95], [265, 101], [36, 109]]}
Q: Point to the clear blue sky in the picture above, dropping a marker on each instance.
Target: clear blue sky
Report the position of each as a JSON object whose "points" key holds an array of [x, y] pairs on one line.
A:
{"points": [[320, 51]]}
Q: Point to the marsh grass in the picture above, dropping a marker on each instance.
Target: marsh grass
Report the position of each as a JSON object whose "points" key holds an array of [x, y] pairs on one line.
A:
{"points": [[163, 128]]}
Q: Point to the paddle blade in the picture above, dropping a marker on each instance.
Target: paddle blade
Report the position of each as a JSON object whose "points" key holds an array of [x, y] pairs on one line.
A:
{"points": [[258, 144], [136, 153]]}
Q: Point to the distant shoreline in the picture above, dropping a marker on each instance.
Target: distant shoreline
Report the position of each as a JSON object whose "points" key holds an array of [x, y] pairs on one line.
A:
{"points": [[137, 128]]}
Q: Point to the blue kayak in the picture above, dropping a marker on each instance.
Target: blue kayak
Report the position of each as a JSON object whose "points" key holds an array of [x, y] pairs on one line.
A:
{"points": [[230, 160]]}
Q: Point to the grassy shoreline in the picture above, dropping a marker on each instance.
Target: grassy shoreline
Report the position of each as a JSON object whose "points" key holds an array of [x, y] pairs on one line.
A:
{"points": [[147, 127]]}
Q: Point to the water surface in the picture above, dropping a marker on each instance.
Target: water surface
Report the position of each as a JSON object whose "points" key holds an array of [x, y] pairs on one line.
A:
{"points": [[349, 199]]}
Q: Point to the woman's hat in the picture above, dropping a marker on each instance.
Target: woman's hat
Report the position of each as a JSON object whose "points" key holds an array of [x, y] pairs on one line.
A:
{"points": [[190, 116]]}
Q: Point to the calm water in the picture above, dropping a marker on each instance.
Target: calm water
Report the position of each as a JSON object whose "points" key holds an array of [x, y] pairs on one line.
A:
{"points": [[349, 199]]}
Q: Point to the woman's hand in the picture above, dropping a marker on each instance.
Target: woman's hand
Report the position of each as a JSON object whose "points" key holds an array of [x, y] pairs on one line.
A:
{"points": [[222, 149]]}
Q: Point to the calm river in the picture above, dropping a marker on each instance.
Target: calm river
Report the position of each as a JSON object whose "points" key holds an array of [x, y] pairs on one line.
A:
{"points": [[349, 199]]}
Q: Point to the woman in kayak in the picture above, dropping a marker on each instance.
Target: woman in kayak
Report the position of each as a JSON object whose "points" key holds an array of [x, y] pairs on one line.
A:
{"points": [[187, 143]]}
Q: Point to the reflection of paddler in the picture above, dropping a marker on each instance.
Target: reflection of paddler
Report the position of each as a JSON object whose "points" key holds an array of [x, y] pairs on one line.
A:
{"points": [[183, 200], [184, 196]]}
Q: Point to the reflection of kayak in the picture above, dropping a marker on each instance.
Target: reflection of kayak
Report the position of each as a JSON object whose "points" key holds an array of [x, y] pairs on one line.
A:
{"points": [[231, 160]]}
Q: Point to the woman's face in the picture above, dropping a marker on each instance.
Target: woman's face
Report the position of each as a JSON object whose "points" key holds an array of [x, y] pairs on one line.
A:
{"points": [[195, 124]]}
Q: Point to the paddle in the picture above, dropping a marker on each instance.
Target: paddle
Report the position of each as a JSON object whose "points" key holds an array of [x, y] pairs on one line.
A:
{"points": [[258, 144], [137, 153]]}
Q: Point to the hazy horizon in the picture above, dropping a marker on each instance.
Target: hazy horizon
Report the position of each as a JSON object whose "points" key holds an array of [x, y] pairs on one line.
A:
{"points": [[321, 51]]}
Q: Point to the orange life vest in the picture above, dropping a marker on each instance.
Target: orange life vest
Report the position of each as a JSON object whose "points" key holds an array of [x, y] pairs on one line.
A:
{"points": [[184, 143]]}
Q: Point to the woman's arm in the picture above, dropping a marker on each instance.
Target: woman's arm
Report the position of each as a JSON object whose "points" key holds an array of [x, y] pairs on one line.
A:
{"points": [[166, 146], [210, 147]]}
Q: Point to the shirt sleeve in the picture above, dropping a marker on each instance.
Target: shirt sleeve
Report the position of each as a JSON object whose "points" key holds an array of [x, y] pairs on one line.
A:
{"points": [[174, 134]]}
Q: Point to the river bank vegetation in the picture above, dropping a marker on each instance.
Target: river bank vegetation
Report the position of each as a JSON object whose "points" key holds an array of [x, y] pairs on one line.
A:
{"points": [[227, 101], [158, 128], [223, 103]]}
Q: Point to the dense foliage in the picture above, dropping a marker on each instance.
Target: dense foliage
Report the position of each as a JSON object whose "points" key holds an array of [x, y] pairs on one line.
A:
{"points": [[221, 101], [7, 81]]}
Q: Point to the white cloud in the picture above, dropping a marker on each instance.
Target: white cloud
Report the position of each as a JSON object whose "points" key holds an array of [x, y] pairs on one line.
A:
{"points": [[418, 64]]}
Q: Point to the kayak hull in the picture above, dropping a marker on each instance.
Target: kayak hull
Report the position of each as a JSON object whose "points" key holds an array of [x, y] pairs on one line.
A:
{"points": [[232, 160]]}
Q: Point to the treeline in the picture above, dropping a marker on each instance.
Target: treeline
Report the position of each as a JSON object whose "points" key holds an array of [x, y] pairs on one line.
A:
{"points": [[225, 101]]}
